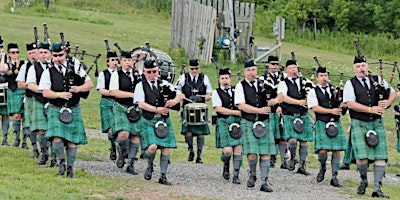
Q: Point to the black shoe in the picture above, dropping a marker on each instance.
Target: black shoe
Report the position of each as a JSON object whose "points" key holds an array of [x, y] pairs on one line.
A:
{"points": [[266, 188], [163, 180], [303, 171], [320, 175], [284, 166], [235, 180], [198, 160], [398, 175], [43, 159], [363, 186], [53, 162], [191, 156], [379, 194], [70, 172], [5, 143], [142, 156], [345, 167], [61, 168], [292, 165], [121, 159], [225, 172], [113, 153], [16, 143], [131, 170], [35, 153], [148, 173], [24, 145], [252, 181], [335, 183]]}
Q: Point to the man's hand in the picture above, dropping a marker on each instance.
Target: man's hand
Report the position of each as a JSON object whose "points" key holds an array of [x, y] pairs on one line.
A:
{"points": [[162, 110], [336, 111]]}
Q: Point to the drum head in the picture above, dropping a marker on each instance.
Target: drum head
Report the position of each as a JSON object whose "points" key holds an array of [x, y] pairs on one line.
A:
{"points": [[65, 115], [160, 129], [298, 125], [331, 129], [235, 131], [371, 138], [259, 129]]}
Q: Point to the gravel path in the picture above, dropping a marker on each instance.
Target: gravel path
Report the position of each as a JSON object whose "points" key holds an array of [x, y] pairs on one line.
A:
{"points": [[205, 180]]}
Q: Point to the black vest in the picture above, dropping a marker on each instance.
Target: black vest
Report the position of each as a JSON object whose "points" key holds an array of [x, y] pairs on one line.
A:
{"points": [[227, 101], [290, 109], [12, 83], [59, 83], [125, 84], [255, 99], [107, 78], [39, 71], [190, 85], [154, 98], [325, 102], [28, 93], [364, 97]]}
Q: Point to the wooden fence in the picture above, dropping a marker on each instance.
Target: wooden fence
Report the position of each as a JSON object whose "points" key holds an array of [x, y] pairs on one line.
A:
{"points": [[244, 19]]}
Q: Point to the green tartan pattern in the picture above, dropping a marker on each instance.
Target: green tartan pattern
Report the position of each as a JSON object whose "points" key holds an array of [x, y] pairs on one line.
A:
{"points": [[106, 114], [288, 130], [398, 140], [348, 154], [14, 101], [3, 110], [149, 137], [253, 145], [222, 136], [360, 148], [122, 122], [322, 141], [39, 121], [73, 132], [274, 123], [28, 112], [194, 129]]}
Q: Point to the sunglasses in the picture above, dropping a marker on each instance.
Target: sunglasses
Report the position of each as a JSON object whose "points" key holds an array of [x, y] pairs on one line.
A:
{"points": [[14, 52], [58, 55], [194, 68], [151, 71], [114, 59], [274, 63]]}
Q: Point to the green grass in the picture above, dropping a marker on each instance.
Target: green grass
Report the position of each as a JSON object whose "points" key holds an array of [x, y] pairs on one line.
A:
{"points": [[88, 28]]}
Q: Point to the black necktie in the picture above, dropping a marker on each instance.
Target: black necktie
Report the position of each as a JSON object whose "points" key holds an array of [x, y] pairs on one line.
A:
{"points": [[128, 73], [326, 91], [252, 85], [60, 69], [47, 65], [194, 79], [153, 86], [365, 83], [295, 84]]}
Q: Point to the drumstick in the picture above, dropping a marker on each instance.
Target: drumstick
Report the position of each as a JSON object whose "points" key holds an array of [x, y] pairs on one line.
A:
{"points": [[189, 100]]}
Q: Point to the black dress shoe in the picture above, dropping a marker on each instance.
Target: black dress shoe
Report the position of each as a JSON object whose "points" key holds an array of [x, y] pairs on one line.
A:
{"points": [[43, 159], [225, 172], [16, 143], [24, 145], [4, 143], [321, 175], [398, 175], [35, 153], [53, 163], [113, 153], [345, 167], [379, 194], [61, 169], [335, 183], [303, 171], [198, 160], [163, 180], [148, 173], [252, 181], [235, 180], [70, 172], [121, 160], [131, 170], [292, 165], [191, 156], [363, 186], [266, 188], [284, 166]]}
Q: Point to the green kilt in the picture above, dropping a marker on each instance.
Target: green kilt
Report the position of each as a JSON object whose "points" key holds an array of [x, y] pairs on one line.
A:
{"points": [[106, 114], [348, 157], [3, 110], [28, 111], [222, 136], [289, 132], [274, 123], [149, 137], [398, 140], [253, 145], [194, 129], [360, 148], [15, 101], [73, 132], [39, 121], [122, 122], [323, 141]]}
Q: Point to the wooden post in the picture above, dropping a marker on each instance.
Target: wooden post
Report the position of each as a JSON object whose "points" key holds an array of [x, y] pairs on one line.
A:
{"points": [[232, 31], [315, 28]]}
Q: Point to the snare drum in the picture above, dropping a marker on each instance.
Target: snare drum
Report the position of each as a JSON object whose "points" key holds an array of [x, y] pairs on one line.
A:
{"points": [[195, 114], [3, 94]]}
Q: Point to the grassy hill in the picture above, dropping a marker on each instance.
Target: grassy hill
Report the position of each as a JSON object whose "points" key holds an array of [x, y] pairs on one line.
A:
{"points": [[88, 28]]}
